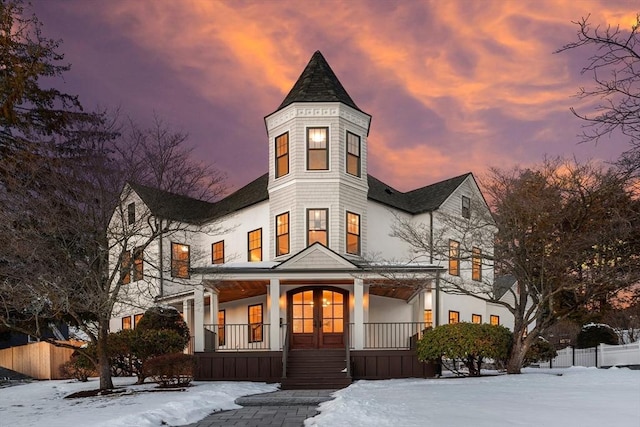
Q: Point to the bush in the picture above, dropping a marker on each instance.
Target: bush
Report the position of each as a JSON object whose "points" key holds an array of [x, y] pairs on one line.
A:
{"points": [[171, 370], [164, 318], [594, 334], [540, 351], [79, 367], [469, 343]]}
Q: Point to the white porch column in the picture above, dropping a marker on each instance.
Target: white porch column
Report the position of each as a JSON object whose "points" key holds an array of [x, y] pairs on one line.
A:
{"points": [[214, 307], [358, 314], [198, 318], [274, 314], [187, 317]]}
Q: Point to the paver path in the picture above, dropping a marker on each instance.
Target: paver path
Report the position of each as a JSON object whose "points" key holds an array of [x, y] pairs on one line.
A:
{"points": [[286, 408]]}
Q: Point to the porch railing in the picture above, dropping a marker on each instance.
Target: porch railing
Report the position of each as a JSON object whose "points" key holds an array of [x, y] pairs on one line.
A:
{"points": [[391, 335], [237, 337]]}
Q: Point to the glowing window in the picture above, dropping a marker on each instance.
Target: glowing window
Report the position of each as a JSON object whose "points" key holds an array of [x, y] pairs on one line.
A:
{"points": [[217, 252], [282, 155], [255, 323], [454, 316], [353, 154], [353, 233], [476, 264], [255, 245], [282, 234], [180, 260], [317, 148], [454, 258], [317, 226], [476, 318]]}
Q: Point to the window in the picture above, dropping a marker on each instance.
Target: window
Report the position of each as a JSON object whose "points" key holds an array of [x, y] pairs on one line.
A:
{"points": [[317, 226], [282, 155], [180, 260], [317, 149], [136, 319], [494, 320], [222, 316], [454, 258], [353, 154], [476, 264], [125, 267], [131, 213], [138, 264], [255, 245], [255, 323], [428, 318], [282, 234], [126, 322], [466, 207], [353, 233], [217, 252], [476, 318], [454, 316]]}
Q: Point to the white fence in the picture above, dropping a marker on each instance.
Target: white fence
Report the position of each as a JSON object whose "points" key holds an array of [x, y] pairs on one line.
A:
{"points": [[602, 356]]}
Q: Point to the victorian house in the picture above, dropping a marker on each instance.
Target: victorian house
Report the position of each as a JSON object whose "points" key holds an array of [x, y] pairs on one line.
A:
{"points": [[296, 278]]}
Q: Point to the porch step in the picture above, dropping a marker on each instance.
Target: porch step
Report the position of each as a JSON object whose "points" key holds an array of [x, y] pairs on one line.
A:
{"points": [[316, 369]]}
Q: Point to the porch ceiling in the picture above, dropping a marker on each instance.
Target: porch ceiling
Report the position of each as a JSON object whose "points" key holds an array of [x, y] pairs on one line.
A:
{"points": [[393, 290], [231, 290]]}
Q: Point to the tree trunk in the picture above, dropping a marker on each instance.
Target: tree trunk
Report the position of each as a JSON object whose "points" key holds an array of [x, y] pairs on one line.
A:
{"points": [[104, 367], [518, 352]]}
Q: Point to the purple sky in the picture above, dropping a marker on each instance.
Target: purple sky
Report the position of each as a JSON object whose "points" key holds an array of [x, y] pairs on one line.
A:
{"points": [[453, 86]]}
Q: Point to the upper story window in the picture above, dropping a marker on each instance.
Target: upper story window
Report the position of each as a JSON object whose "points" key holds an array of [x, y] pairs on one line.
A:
{"points": [[137, 318], [255, 245], [317, 226], [138, 264], [282, 155], [454, 258], [353, 154], [318, 148], [353, 233], [180, 260], [131, 213], [466, 207], [126, 322], [282, 234], [476, 318], [125, 267], [476, 264], [217, 252]]}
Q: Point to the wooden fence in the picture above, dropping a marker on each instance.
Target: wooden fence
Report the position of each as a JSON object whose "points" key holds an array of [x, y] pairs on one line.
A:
{"points": [[39, 360]]}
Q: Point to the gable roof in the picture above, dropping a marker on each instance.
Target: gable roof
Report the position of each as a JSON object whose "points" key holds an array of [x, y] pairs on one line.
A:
{"points": [[182, 208], [420, 200], [318, 257], [318, 83]]}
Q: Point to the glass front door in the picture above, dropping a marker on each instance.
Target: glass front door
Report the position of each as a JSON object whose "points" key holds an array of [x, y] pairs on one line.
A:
{"points": [[317, 318]]}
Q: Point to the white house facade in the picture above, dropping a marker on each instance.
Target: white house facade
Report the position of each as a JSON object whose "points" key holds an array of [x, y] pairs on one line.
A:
{"points": [[296, 277]]}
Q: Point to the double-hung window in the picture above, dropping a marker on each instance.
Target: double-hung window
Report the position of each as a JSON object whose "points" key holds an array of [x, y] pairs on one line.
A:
{"points": [[255, 245], [217, 252], [317, 226], [466, 207], [180, 260], [454, 258], [138, 264], [476, 264], [353, 233], [282, 234], [255, 323], [282, 155], [125, 267], [318, 148], [353, 154]]}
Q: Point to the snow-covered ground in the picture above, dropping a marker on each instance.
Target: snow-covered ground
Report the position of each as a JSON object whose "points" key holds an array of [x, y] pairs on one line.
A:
{"points": [[42, 403], [539, 397]]}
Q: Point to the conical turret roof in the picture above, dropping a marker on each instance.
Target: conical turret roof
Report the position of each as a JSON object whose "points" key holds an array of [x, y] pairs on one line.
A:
{"points": [[318, 83]]}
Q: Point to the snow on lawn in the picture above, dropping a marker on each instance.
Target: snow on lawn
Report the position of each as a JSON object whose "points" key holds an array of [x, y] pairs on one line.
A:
{"points": [[42, 403], [539, 397]]}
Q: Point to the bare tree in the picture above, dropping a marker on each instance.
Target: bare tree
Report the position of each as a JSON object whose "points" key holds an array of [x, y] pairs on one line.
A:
{"points": [[567, 233], [614, 63]]}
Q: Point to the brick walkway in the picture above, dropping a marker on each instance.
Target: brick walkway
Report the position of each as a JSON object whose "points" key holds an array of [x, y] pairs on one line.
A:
{"points": [[285, 408]]}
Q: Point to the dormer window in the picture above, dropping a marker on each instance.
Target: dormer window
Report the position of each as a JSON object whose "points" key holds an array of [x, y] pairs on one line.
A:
{"points": [[353, 154], [466, 207], [317, 148], [282, 155]]}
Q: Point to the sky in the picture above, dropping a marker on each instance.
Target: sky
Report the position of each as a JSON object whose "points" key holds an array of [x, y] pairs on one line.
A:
{"points": [[453, 86], [560, 397]]}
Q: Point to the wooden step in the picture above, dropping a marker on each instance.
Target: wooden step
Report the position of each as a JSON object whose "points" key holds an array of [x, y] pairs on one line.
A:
{"points": [[316, 369]]}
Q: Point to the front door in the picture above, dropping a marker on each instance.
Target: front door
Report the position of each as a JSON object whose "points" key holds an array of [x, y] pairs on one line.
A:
{"points": [[317, 318]]}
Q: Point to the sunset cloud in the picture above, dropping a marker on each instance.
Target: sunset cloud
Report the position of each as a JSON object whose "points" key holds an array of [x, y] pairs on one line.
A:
{"points": [[453, 86]]}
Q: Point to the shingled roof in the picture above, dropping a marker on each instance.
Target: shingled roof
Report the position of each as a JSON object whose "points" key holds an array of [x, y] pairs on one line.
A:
{"points": [[424, 199], [318, 83], [181, 208]]}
